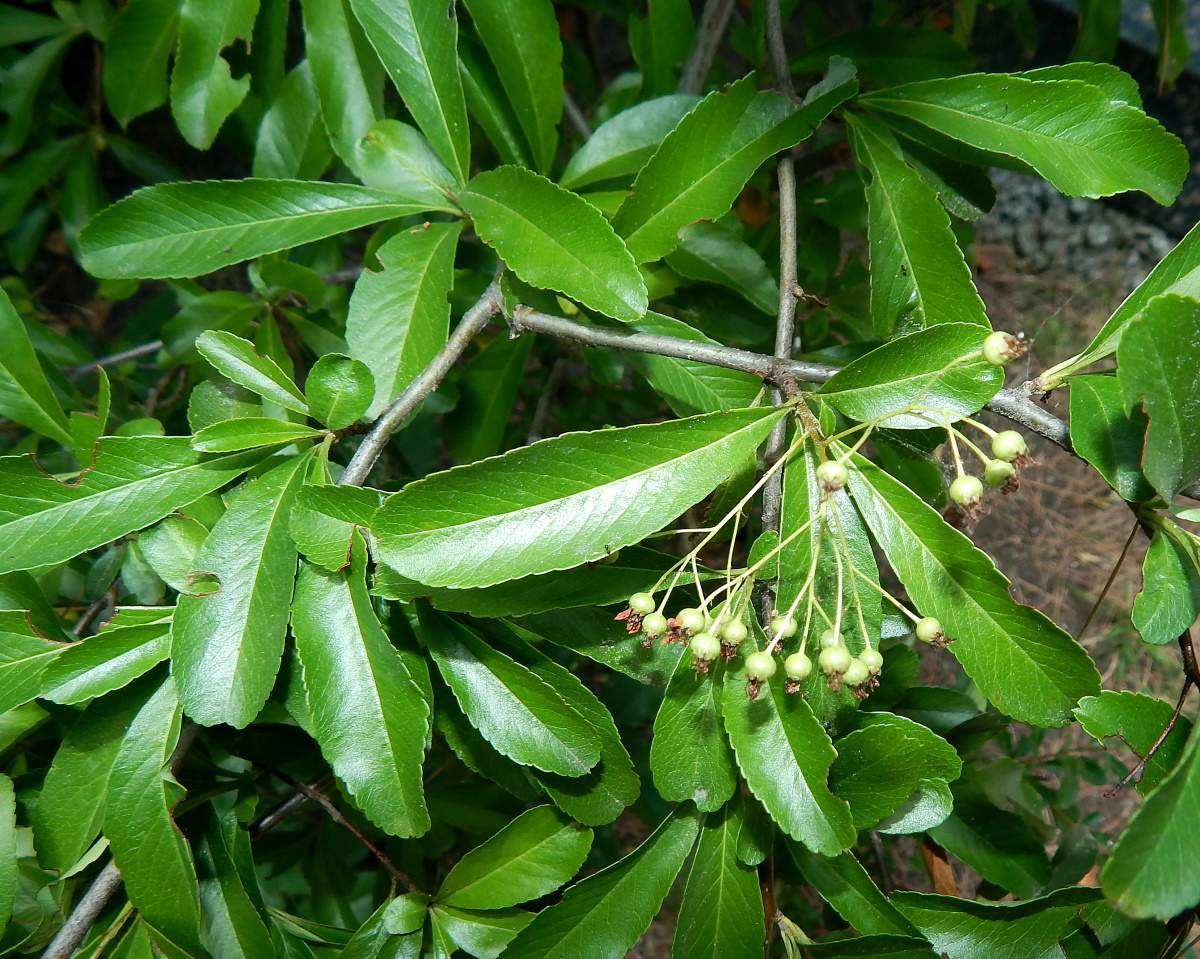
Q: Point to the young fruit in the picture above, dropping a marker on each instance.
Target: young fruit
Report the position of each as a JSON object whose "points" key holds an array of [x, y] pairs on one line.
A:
{"points": [[856, 673], [797, 666], [929, 630], [760, 667], [654, 625], [642, 603], [705, 646], [830, 638], [872, 659], [734, 633], [997, 473], [691, 619], [1001, 348], [834, 660], [832, 475], [784, 626], [1009, 446], [966, 491]]}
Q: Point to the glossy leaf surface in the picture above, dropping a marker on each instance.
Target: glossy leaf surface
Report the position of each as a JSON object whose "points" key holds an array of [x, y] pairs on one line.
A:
{"points": [[596, 493], [186, 229], [1106, 433], [1137, 720], [25, 395], [238, 360], [843, 883], [1170, 598], [249, 432], [111, 659]]}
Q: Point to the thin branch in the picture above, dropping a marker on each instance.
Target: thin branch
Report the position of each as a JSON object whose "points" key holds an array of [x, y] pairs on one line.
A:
{"points": [[1108, 582], [541, 415], [575, 116], [713, 22], [289, 807], [70, 934], [425, 382], [80, 370], [336, 815], [776, 51], [1140, 766]]}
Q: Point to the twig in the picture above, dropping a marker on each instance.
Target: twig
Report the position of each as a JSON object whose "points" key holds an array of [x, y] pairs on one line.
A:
{"points": [[885, 874], [80, 370], [1108, 583], [88, 616], [776, 51], [70, 934], [558, 372], [713, 22], [425, 382], [575, 116], [336, 815], [289, 807], [1140, 766]]}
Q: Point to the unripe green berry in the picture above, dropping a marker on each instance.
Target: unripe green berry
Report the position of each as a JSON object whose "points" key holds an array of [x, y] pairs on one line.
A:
{"points": [[797, 666], [642, 603], [966, 491], [760, 667], [832, 475], [834, 660], [872, 659], [997, 473], [705, 646], [1009, 446], [929, 630], [1001, 348], [784, 626], [654, 625], [856, 673], [691, 619], [734, 633], [830, 638]]}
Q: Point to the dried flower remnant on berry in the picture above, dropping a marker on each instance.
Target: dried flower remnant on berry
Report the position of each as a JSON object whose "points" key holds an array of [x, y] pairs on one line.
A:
{"points": [[1001, 348]]}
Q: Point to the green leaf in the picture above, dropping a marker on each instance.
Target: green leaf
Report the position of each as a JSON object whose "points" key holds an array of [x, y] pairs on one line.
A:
{"points": [[890, 55], [1137, 720], [346, 74], [170, 548], [70, 810], [997, 844], [963, 189], [881, 763], [660, 43], [234, 926], [488, 388], [19, 590], [367, 713], [1099, 31], [292, 143], [1177, 272], [8, 849], [1114, 81], [112, 658], [482, 934], [721, 916], [962, 929], [236, 359], [621, 145], [713, 253], [690, 756], [916, 381], [510, 29], [843, 883], [23, 657], [250, 432], [918, 275], [417, 40], [784, 754], [591, 499], [186, 229], [702, 165], [690, 387], [1157, 360], [1106, 433], [25, 395], [375, 938], [532, 856], [1169, 21], [554, 239], [1072, 133], [486, 101], [394, 156], [517, 712], [135, 57], [1170, 598], [399, 317], [601, 916], [203, 91], [1150, 872], [152, 854], [227, 640], [1021, 661], [135, 481], [874, 947], [600, 795], [339, 390]]}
